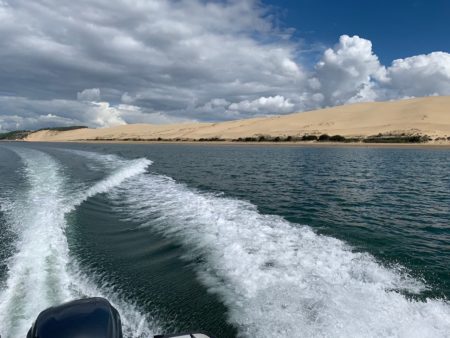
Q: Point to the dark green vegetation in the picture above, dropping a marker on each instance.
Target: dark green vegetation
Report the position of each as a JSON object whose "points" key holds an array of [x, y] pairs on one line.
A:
{"points": [[267, 138], [309, 138], [380, 138], [15, 135], [63, 128], [392, 138]]}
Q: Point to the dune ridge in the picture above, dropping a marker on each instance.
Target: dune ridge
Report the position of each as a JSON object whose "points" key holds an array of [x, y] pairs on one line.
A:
{"points": [[419, 116]]}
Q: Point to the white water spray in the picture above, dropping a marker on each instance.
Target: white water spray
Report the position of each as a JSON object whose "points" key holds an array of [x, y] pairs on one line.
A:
{"points": [[280, 279], [38, 274], [277, 279]]}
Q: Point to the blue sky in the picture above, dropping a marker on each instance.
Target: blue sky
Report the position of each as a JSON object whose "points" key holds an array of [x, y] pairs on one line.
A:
{"points": [[397, 28], [166, 61]]}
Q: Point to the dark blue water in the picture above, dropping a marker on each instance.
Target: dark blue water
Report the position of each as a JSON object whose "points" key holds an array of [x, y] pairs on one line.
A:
{"points": [[247, 241]]}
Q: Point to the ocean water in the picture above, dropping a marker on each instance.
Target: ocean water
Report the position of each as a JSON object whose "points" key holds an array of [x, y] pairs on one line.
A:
{"points": [[239, 241]]}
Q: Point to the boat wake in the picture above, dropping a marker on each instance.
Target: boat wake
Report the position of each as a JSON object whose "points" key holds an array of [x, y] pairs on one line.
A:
{"points": [[41, 272], [276, 278], [280, 279]]}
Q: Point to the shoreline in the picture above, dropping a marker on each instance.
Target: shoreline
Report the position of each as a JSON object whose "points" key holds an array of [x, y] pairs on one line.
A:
{"points": [[275, 144]]}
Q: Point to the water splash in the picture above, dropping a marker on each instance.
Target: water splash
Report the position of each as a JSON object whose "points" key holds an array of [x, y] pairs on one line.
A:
{"points": [[39, 274], [280, 279]]}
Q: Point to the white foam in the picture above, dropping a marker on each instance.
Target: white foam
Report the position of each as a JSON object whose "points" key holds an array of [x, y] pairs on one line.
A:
{"points": [[124, 172], [39, 273], [105, 161], [280, 279]]}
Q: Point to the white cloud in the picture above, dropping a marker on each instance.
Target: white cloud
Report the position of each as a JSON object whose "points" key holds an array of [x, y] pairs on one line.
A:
{"points": [[170, 56], [103, 115], [92, 95], [263, 105], [350, 72], [34, 114], [161, 61], [420, 75], [345, 72]]}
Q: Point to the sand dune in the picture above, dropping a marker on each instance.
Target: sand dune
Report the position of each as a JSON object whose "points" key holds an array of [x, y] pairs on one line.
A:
{"points": [[425, 116]]}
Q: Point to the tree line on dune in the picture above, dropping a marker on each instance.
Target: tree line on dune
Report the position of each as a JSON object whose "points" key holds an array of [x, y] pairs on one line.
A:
{"points": [[313, 138], [380, 138]]}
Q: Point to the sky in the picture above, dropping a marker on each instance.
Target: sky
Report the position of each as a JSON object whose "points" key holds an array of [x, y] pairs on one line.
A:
{"points": [[397, 28], [104, 63]]}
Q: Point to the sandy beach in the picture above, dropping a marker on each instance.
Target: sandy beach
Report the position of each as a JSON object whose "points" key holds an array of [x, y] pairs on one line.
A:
{"points": [[420, 116]]}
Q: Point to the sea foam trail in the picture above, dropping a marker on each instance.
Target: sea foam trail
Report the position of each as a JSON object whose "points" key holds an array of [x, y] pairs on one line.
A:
{"points": [[37, 274], [41, 273], [280, 279]]}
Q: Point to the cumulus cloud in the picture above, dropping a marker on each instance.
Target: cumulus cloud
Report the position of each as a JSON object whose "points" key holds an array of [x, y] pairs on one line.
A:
{"points": [[346, 72], [92, 95], [263, 105], [420, 75], [351, 72], [129, 61], [167, 57], [34, 114], [163, 56]]}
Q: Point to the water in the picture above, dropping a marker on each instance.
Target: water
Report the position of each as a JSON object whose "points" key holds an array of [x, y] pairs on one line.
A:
{"points": [[241, 241]]}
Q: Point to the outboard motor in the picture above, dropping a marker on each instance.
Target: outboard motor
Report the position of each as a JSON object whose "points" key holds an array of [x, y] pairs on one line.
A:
{"points": [[86, 318]]}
